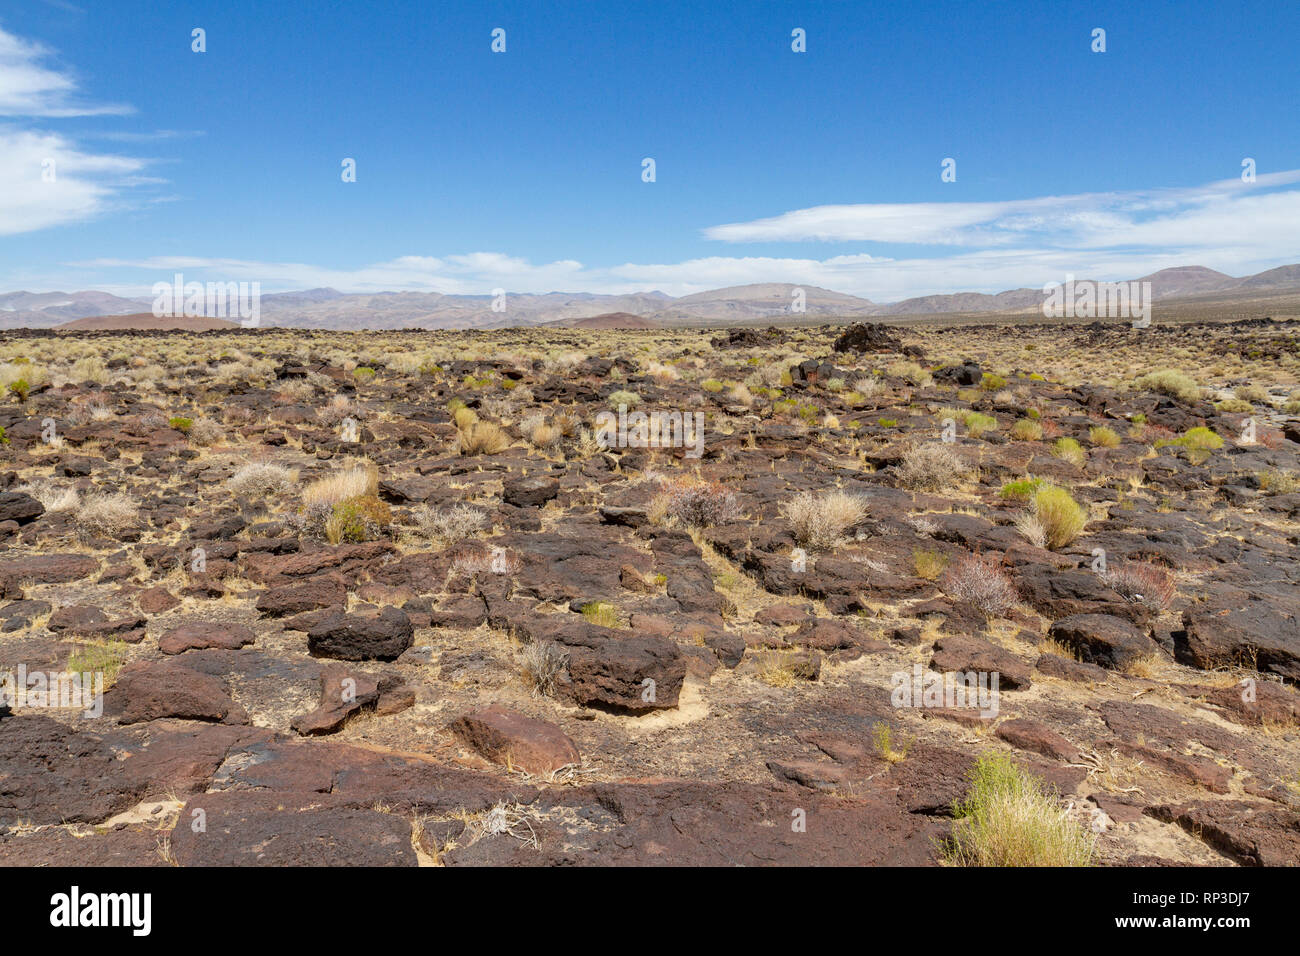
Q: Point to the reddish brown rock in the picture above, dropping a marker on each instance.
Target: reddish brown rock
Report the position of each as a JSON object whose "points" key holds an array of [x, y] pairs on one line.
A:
{"points": [[205, 634], [148, 690], [511, 739]]}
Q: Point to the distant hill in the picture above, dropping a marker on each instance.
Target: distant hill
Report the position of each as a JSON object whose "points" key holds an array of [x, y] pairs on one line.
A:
{"points": [[610, 320], [147, 321], [762, 302]]}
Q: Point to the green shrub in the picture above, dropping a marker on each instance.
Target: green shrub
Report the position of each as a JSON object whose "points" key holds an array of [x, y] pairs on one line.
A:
{"points": [[1067, 449], [1103, 437], [1170, 382], [1021, 490], [358, 519], [1010, 818], [181, 424], [1197, 442], [978, 424], [991, 383], [598, 612], [929, 564], [1233, 406], [1061, 517], [1026, 430]]}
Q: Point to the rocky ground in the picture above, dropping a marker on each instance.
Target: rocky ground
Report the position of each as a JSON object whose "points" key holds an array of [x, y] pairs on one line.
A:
{"points": [[389, 599]]}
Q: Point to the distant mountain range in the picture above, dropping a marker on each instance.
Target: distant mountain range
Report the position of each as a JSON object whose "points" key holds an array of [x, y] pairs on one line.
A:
{"points": [[769, 301]]}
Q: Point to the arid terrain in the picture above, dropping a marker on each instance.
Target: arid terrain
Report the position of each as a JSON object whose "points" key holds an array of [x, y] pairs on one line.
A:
{"points": [[404, 598]]}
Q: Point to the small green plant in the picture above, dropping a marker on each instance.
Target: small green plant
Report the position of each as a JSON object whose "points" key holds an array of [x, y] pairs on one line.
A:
{"points": [[363, 373], [1026, 430], [1233, 406], [20, 389], [992, 383], [1061, 517], [106, 658], [929, 564], [1020, 490], [181, 424], [1198, 443], [1011, 818], [888, 423], [712, 385], [977, 424], [598, 612], [1067, 449], [623, 397], [4, 439], [1103, 437], [358, 519], [889, 748]]}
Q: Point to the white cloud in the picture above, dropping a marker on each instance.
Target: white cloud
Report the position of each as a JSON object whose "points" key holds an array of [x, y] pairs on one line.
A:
{"points": [[46, 179], [1260, 213], [27, 88]]}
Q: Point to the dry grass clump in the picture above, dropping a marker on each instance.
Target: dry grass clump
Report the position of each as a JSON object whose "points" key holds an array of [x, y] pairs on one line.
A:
{"points": [[355, 482], [929, 564], [543, 664], [482, 438], [539, 434], [1104, 437], [693, 502], [1271, 482], [1167, 381], [53, 497], [339, 408], [930, 467], [1010, 818], [105, 515], [450, 525], [910, 372], [1061, 517], [1254, 394], [981, 583], [261, 480], [1067, 449], [205, 431], [868, 386], [1142, 583], [820, 520], [90, 369], [1026, 429]]}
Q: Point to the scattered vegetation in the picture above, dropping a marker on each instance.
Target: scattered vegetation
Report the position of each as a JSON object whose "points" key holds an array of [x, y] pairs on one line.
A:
{"points": [[820, 520], [1010, 818]]}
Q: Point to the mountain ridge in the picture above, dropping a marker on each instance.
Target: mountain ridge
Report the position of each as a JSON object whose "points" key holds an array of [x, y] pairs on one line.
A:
{"points": [[327, 308]]}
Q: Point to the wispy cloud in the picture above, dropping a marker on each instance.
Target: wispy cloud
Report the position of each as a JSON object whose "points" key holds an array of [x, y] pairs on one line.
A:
{"points": [[29, 88], [47, 179], [1261, 213]]}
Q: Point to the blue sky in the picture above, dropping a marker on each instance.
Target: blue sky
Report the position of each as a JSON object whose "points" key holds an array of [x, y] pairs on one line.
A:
{"points": [[522, 170]]}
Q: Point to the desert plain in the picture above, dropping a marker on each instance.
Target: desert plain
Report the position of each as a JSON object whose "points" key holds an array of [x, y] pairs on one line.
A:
{"points": [[395, 598]]}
